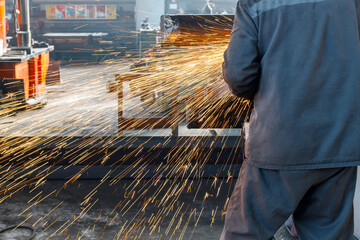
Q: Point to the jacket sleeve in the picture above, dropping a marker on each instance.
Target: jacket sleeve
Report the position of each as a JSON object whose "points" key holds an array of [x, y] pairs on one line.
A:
{"points": [[241, 67]]}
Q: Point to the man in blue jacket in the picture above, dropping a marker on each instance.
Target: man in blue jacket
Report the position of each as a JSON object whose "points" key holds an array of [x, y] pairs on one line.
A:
{"points": [[299, 62]]}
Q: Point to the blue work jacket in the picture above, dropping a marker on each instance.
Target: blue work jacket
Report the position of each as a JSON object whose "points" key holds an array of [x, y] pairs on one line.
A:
{"points": [[299, 61]]}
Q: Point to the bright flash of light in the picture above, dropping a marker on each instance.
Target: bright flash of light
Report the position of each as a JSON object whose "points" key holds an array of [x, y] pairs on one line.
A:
{"points": [[178, 85]]}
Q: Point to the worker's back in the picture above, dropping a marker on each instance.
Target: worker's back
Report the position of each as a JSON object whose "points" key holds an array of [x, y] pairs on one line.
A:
{"points": [[307, 100]]}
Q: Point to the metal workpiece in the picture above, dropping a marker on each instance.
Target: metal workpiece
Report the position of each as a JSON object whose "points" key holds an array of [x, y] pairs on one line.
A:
{"points": [[16, 54]]}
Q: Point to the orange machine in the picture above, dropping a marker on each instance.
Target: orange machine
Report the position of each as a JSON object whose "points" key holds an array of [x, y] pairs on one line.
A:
{"points": [[24, 62], [2, 26]]}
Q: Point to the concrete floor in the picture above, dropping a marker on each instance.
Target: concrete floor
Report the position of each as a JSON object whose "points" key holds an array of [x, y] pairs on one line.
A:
{"points": [[105, 220]]}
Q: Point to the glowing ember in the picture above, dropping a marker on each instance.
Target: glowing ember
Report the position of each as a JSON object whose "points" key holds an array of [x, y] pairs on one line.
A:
{"points": [[181, 85]]}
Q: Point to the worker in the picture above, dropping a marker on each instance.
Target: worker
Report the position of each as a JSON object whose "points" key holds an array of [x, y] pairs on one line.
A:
{"points": [[145, 25], [298, 61], [209, 7]]}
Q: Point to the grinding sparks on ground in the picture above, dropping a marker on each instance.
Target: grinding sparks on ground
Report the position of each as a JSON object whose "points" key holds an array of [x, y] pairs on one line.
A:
{"points": [[178, 84]]}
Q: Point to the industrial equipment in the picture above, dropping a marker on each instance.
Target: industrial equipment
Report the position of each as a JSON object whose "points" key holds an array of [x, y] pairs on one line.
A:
{"points": [[24, 63], [193, 33], [90, 29], [70, 44]]}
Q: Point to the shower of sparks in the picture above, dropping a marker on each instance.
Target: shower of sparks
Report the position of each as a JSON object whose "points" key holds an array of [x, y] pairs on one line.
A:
{"points": [[174, 86]]}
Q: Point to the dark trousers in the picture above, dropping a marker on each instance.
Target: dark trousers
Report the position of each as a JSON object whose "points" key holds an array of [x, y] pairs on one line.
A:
{"points": [[321, 201]]}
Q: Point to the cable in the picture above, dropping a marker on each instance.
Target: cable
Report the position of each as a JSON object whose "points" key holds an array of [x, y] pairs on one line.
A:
{"points": [[20, 227]]}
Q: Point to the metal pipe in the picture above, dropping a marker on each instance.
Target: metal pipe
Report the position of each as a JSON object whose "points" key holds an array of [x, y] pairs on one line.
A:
{"points": [[24, 33]]}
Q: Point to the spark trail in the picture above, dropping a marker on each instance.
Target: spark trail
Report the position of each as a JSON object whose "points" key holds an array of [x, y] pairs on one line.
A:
{"points": [[181, 85]]}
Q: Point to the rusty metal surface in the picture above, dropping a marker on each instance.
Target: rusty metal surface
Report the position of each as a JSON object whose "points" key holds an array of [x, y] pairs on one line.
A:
{"points": [[196, 30]]}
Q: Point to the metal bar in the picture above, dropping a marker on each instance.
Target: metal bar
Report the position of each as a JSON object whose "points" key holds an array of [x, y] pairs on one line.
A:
{"points": [[98, 172], [25, 33], [127, 142], [119, 151]]}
